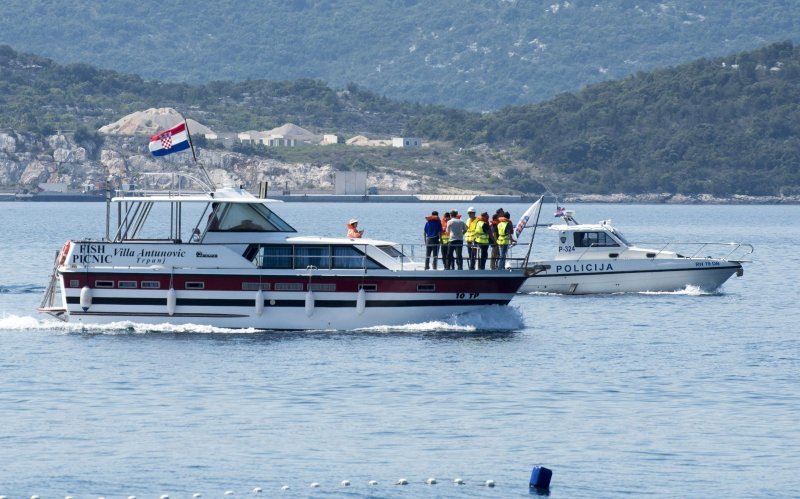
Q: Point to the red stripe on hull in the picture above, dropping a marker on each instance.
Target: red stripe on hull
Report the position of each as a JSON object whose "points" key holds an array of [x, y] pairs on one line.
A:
{"points": [[489, 283]]}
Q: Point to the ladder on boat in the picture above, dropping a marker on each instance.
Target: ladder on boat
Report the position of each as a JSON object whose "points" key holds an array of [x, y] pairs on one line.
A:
{"points": [[51, 303]]}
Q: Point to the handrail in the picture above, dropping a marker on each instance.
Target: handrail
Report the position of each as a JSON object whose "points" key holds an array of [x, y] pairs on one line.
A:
{"points": [[735, 246], [172, 192]]}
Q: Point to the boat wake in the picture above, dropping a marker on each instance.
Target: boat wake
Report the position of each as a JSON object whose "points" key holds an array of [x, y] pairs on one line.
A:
{"points": [[491, 319], [494, 318], [23, 323], [689, 290], [21, 289]]}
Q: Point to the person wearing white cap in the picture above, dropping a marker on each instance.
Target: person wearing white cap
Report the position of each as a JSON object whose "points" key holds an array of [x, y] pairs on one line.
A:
{"points": [[469, 237], [456, 229], [352, 229]]}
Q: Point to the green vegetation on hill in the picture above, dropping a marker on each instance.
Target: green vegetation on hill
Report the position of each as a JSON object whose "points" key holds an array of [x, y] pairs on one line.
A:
{"points": [[477, 54], [37, 94], [724, 126]]}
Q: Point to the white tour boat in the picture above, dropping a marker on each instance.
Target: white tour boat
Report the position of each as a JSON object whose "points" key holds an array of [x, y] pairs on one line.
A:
{"points": [[242, 266], [596, 258]]}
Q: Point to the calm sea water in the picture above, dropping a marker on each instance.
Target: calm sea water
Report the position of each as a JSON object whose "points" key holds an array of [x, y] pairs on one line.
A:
{"points": [[673, 395]]}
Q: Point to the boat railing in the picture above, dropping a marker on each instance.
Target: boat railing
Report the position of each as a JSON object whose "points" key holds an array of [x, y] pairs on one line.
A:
{"points": [[413, 256], [406, 257], [170, 184], [722, 251]]}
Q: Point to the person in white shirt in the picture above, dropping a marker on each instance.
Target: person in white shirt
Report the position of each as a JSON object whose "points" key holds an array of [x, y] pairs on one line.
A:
{"points": [[455, 230]]}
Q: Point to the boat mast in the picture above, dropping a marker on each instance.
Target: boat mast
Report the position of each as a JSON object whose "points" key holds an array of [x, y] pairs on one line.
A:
{"points": [[533, 234]]}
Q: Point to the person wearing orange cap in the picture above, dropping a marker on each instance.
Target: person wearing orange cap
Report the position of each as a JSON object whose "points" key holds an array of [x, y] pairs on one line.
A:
{"points": [[352, 229]]}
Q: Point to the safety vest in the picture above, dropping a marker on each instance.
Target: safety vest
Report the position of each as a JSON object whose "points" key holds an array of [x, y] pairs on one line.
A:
{"points": [[445, 237], [469, 236], [480, 236], [502, 237]]}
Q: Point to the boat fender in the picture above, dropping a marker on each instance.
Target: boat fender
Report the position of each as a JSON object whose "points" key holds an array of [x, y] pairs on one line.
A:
{"points": [[259, 303], [309, 303], [64, 251], [86, 298], [172, 301], [361, 301]]}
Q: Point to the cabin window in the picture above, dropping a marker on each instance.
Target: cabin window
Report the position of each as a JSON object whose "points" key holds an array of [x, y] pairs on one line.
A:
{"points": [[594, 240], [312, 256], [255, 286], [151, 285], [126, 284], [288, 286], [103, 284], [368, 287], [426, 287], [245, 217], [391, 251], [322, 286], [275, 257], [195, 285], [74, 283], [348, 257]]}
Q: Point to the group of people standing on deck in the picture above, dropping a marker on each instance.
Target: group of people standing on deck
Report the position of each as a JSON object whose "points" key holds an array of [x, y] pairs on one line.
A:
{"points": [[479, 234]]}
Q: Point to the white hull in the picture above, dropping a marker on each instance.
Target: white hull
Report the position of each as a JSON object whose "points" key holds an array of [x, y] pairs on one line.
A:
{"points": [[627, 276], [396, 301], [281, 317]]}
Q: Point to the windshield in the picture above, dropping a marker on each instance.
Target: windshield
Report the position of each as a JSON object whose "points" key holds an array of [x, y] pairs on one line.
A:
{"points": [[245, 217], [621, 237], [391, 251]]}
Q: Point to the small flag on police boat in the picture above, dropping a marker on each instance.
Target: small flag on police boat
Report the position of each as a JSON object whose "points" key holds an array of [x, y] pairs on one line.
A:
{"points": [[170, 141], [560, 211], [532, 212]]}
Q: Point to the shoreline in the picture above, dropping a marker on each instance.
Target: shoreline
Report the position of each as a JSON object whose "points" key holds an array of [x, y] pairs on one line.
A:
{"points": [[619, 198]]}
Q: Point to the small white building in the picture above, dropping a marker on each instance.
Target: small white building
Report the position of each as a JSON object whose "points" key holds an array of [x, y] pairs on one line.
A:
{"points": [[278, 141], [330, 138], [351, 183], [406, 142], [53, 187]]}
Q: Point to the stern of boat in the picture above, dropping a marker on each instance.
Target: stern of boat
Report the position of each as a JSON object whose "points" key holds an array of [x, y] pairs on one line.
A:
{"points": [[53, 302]]}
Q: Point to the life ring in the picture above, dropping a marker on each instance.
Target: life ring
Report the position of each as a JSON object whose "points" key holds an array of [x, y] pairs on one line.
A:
{"points": [[64, 252]]}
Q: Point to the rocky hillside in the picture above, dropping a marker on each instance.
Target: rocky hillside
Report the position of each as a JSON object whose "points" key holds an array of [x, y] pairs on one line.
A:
{"points": [[27, 160]]}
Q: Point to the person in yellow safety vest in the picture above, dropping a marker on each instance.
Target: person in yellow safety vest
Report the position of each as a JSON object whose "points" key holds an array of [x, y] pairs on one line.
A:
{"points": [[483, 235], [445, 239], [505, 238], [494, 253], [469, 237]]}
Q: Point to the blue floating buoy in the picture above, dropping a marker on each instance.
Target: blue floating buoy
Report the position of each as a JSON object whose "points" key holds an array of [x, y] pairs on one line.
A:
{"points": [[540, 478]]}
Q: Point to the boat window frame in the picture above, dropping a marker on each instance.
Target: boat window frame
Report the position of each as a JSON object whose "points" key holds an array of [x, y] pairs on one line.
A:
{"points": [[292, 258], [222, 210], [580, 241]]}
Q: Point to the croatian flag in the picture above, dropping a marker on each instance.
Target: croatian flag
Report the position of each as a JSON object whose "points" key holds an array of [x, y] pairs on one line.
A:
{"points": [[170, 141], [560, 211], [529, 213]]}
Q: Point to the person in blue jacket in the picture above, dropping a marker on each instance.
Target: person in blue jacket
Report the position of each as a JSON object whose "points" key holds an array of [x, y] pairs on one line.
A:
{"points": [[432, 234]]}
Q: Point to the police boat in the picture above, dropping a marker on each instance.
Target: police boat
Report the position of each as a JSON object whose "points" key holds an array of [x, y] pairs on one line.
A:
{"points": [[597, 258]]}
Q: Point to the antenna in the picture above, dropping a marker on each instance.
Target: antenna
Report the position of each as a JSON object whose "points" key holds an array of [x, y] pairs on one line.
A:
{"points": [[194, 156]]}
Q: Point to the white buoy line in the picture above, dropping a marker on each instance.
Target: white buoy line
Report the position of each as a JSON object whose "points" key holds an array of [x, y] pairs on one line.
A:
{"points": [[458, 481]]}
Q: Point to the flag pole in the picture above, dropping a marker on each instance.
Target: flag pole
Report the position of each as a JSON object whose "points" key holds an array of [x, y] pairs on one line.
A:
{"points": [[194, 156], [533, 235]]}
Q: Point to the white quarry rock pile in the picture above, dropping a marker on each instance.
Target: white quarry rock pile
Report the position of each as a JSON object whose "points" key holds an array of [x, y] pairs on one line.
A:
{"points": [[152, 121]]}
